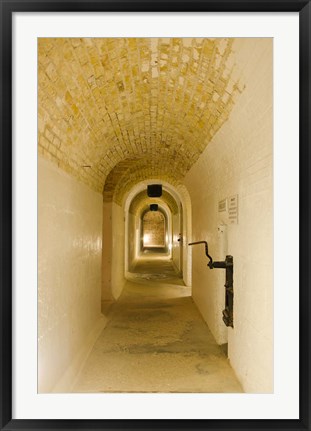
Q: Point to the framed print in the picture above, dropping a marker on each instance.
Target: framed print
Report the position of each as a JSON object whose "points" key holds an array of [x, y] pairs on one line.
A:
{"points": [[155, 215]]}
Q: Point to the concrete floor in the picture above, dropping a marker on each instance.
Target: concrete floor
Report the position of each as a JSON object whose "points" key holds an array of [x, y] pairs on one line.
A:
{"points": [[156, 340]]}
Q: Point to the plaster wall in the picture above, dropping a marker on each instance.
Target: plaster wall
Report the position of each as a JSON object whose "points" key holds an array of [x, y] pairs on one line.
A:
{"points": [[69, 274], [133, 232], [239, 160], [107, 251], [118, 251], [175, 243]]}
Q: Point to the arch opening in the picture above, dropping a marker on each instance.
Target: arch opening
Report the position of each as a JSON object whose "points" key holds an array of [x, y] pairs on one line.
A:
{"points": [[176, 208]]}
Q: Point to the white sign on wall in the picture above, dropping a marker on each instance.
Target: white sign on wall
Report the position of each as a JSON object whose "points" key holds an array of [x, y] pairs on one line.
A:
{"points": [[229, 206], [222, 205], [233, 209]]}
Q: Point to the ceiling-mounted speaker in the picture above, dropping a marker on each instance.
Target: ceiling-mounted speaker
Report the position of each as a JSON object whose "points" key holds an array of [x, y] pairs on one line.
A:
{"points": [[154, 207], [154, 190]]}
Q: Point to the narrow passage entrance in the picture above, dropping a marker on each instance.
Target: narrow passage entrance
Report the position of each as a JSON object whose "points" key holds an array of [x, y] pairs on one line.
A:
{"points": [[156, 340]]}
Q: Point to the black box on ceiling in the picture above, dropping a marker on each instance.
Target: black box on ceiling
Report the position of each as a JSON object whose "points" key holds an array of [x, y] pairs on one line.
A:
{"points": [[154, 207], [154, 190]]}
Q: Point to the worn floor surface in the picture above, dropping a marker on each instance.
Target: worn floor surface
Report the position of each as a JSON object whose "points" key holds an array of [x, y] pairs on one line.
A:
{"points": [[156, 340]]}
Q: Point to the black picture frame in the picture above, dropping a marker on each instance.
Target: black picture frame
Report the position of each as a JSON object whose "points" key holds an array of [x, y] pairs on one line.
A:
{"points": [[7, 9]]}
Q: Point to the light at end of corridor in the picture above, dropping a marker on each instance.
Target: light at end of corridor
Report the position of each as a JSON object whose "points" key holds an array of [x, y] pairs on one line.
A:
{"points": [[146, 238]]}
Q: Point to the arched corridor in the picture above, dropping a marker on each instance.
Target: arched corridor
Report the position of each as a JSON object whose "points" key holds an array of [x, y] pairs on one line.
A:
{"points": [[147, 145]]}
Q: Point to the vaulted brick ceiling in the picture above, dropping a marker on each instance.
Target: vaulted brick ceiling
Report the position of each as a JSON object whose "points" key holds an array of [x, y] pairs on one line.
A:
{"points": [[113, 112]]}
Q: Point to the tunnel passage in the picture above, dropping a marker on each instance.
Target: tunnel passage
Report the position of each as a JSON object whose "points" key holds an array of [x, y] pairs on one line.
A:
{"points": [[157, 225]]}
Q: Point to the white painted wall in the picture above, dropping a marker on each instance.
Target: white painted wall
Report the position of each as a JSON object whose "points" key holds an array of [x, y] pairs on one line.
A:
{"points": [[133, 233], [107, 252], [186, 216], [175, 243], [118, 252], [239, 160], [69, 275]]}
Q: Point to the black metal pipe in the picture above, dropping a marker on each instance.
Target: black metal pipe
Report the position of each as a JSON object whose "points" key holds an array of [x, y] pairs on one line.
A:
{"points": [[206, 249], [228, 266], [221, 264]]}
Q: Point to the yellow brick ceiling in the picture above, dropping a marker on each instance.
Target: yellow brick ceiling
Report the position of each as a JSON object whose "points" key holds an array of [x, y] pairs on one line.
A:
{"points": [[113, 112]]}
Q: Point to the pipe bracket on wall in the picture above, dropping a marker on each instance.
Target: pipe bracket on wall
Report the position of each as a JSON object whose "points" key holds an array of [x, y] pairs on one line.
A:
{"points": [[227, 264]]}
